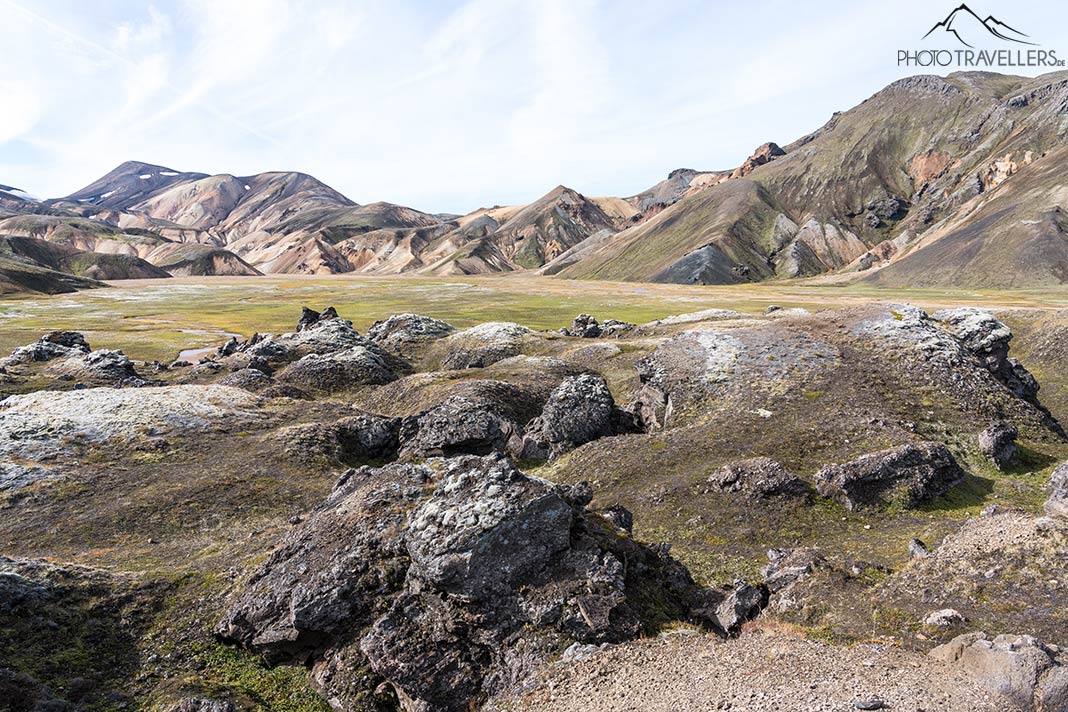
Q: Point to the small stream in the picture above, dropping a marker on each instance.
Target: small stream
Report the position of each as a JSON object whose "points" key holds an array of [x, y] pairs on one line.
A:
{"points": [[194, 355]]}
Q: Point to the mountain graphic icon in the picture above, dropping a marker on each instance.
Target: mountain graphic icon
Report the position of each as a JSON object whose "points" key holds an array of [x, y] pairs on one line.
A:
{"points": [[963, 22]]}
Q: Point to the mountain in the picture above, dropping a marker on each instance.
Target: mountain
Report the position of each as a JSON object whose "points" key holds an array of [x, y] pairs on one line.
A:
{"points": [[92, 236], [127, 184], [938, 181]]}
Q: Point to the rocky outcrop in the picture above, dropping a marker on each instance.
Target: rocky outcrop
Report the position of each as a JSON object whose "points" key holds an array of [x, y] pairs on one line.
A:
{"points": [[765, 153], [1029, 674], [1057, 504], [458, 425], [403, 332], [41, 431], [111, 367], [580, 410], [908, 474], [988, 338], [338, 371], [998, 443], [452, 580], [310, 317], [759, 477], [57, 344], [482, 345], [587, 327], [355, 440], [320, 334]]}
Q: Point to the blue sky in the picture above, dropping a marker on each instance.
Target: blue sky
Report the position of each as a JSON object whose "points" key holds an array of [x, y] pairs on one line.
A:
{"points": [[445, 105]]}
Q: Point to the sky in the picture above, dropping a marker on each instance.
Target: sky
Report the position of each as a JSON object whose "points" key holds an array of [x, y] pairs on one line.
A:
{"points": [[443, 105]]}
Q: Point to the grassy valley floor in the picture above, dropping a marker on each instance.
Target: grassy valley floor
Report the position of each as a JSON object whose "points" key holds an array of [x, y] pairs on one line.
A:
{"points": [[157, 319]]}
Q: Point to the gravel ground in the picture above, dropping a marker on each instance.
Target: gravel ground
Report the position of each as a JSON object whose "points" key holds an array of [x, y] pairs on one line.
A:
{"points": [[759, 671]]}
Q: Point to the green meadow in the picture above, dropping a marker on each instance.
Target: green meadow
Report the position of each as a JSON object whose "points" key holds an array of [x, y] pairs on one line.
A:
{"points": [[156, 319]]}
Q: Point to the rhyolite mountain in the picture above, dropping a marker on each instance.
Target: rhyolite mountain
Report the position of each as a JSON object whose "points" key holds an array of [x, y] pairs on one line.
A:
{"points": [[932, 181]]}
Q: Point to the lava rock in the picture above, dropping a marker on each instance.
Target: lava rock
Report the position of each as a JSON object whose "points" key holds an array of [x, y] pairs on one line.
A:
{"points": [[1030, 674], [580, 410], [452, 580], [618, 516], [998, 443], [988, 338], [56, 344], [482, 345], [112, 367], [759, 477], [458, 425], [402, 332], [917, 471], [1057, 504], [250, 379], [338, 371]]}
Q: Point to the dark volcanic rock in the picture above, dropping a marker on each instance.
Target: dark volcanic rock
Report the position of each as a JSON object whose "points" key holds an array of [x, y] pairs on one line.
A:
{"points": [[350, 441], [758, 477], [250, 379], [459, 425], [998, 443], [580, 410], [402, 332], [57, 344], [586, 327], [112, 367], [916, 471], [482, 345], [339, 371], [619, 516], [988, 338], [453, 580], [310, 317]]}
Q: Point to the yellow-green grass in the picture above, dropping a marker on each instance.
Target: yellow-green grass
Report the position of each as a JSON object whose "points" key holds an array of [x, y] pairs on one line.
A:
{"points": [[155, 319]]}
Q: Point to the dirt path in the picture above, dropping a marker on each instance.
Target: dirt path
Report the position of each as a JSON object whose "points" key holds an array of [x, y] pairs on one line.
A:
{"points": [[758, 672]]}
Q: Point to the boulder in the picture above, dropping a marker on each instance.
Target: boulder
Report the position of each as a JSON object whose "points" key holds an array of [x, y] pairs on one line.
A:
{"points": [[580, 410], [915, 472], [482, 345], [759, 477], [201, 704], [998, 443], [918, 550], [740, 605], [111, 367], [945, 618], [323, 336], [786, 568], [351, 441], [458, 425], [56, 344], [618, 516], [1057, 504], [250, 379], [452, 580], [338, 371], [402, 332], [310, 317], [1029, 674], [585, 326]]}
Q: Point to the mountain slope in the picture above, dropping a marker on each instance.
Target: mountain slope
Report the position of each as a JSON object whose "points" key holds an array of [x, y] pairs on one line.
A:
{"points": [[877, 179], [127, 184]]}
